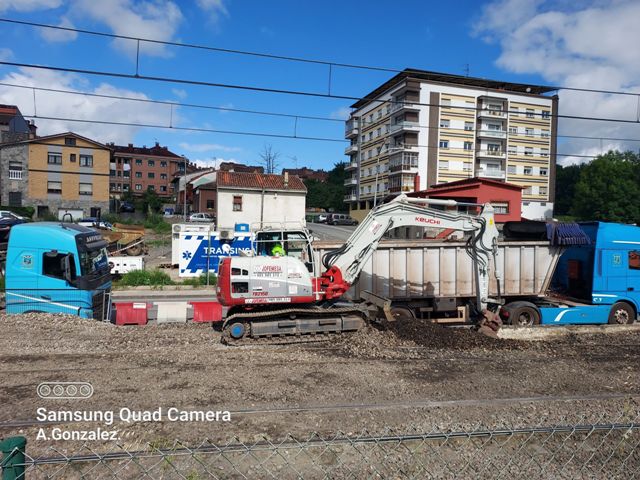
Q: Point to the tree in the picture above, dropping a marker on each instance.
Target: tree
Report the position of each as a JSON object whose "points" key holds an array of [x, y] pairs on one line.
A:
{"points": [[329, 194], [609, 189], [566, 180], [151, 202], [269, 159]]}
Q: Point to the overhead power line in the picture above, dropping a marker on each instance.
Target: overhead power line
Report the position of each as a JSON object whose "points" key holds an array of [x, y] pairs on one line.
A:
{"points": [[327, 63], [274, 90]]}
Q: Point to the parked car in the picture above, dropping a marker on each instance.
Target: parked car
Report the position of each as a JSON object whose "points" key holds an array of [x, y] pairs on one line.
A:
{"points": [[127, 207], [10, 215], [340, 219], [202, 217], [322, 218]]}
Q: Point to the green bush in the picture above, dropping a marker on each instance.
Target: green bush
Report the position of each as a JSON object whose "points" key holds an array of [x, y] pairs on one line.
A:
{"points": [[156, 223], [152, 278], [201, 281], [26, 212]]}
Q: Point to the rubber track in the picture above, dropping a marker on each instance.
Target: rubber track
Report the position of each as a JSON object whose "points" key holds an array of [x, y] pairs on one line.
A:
{"points": [[285, 339]]}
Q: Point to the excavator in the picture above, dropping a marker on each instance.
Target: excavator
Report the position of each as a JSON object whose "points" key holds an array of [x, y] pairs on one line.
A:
{"points": [[266, 295]]}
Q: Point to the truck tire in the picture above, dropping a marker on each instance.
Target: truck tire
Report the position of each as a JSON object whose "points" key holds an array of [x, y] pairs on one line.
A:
{"points": [[523, 314], [621, 313], [134, 251], [402, 313]]}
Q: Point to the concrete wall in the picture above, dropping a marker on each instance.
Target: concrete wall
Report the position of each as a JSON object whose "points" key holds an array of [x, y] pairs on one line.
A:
{"points": [[278, 207], [13, 154]]}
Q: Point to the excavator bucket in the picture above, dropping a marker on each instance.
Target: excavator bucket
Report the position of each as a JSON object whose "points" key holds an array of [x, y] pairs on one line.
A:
{"points": [[489, 324]]}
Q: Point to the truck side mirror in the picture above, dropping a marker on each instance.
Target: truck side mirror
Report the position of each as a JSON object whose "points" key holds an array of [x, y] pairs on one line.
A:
{"points": [[66, 268]]}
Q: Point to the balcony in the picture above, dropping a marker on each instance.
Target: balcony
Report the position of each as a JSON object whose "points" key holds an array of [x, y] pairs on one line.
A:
{"points": [[15, 174], [492, 113], [350, 181], [491, 173], [402, 147], [351, 166], [491, 154], [353, 148], [404, 126], [406, 105], [350, 197], [350, 129], [488, 133]]}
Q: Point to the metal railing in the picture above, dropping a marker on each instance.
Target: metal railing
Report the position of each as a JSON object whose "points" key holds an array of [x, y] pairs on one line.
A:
{"points": [[603, 450]]}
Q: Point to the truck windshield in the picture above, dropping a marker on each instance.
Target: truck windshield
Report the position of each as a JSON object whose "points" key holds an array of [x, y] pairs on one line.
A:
{"points": [[93, 261]]}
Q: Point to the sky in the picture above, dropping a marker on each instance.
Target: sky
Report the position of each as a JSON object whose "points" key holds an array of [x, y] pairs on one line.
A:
{"points": [[589, 44]]}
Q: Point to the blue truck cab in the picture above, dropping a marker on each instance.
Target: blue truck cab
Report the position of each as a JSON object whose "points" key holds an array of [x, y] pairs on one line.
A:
{"points": [[57, 267], [603, 277]]}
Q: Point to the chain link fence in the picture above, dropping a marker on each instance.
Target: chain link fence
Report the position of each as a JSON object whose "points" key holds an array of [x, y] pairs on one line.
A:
{"points": [[604, 450]]}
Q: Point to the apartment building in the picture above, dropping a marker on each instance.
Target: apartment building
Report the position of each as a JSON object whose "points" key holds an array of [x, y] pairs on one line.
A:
{"points": [[138, 169], [56, 174], [421, 129]]}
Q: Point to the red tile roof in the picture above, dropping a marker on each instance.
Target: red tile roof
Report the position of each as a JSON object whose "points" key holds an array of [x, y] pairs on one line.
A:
{"points": [[259, 181], [156, 150]]}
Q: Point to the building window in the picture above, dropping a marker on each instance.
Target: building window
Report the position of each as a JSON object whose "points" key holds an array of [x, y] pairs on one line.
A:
{"points": [[512, 149], [138, 174], [15, 174], [138, 186], [466, 167], [528, 150], [86, 160], [211, 204], [70, 141], [72, 157], [542, 190], [544, 152], [138, 161], [530, 112], [237, 203], [544, 134], [112, 186], [112, 173], [125, 187], [163, 163], [151, 188], [163, 188], [468, 126], [443, 165], [468, 145], [86, 189], [544, 172], [513, 130], [151, 175], [163, 176], [151, 163], [444, 144], [528, 171], [515, 111], [54, 159], [54, 187], [501, 208], [527, 191], [528, 132], [125, 174], [445, 102], [546, 114], [511, 169], [444, 123]]}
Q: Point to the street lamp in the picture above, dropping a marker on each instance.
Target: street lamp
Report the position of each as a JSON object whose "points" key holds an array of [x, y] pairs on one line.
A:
{"points": [[184, 199]]}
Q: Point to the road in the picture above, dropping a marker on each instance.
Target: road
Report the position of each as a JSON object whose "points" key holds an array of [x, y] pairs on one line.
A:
{"points": [[331, 232]]}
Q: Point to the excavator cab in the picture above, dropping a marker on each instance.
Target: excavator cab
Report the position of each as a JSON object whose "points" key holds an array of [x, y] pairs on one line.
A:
{"points": [[295, 243]]}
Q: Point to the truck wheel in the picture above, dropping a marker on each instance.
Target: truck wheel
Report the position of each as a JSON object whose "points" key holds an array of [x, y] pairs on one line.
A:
{"points": [[134, 251], [524, 316], [621, 313], [402, 313]]}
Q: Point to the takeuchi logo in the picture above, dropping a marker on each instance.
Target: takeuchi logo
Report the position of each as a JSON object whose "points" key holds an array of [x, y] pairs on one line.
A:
{"points": [[430, 221]]}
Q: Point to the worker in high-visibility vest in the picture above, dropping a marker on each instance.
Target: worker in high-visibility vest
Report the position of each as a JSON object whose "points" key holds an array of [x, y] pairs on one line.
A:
{"points": [[277, 250]]}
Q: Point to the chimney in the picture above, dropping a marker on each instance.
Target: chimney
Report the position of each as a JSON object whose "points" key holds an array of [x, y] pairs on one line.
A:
{"points": [[157, 144], [32, 130], [131, 145], [286, 179], [416, 183]]}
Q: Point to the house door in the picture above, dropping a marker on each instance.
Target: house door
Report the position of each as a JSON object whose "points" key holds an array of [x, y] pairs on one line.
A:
{"points": [[15, 199]]}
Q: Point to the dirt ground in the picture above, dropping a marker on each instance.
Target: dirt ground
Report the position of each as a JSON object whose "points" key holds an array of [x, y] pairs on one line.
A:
{"points": [[413, 378]]}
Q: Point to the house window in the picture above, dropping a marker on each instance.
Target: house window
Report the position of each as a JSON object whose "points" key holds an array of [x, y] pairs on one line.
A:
{"points": [[151, 175], [530, 113], [444, 144], [72, 157], [151, 188], [112, 186], [542, 190], [112, 173], [501, 208], [528, 191], [528, 150], [466, 167], [54, 187], [446, 102], [468, 126], [511, 169], [546, 114], [125, 187], [54, 159], [513, 130], [544, 172], [151, 163], [237, 203], [138, 186], [138, 174], [544, 133], [468, 145], [70, 141], [528, 132], [86, 189], [86, 160], [544, 152], [126, 174], [443, 165], [163, 176], [163, 188], [138, 161], [211, 204], [163, 163], [528, 170], [15, 174], [444, 123], [512, 149]]}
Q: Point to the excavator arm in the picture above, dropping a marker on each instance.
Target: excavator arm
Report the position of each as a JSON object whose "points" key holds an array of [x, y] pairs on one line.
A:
{"points": [[345, 264]]}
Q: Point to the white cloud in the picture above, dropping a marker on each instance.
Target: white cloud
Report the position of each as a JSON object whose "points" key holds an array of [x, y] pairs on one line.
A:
{"points": [[342, 113], [213, 162], [592, 45], [153, 19], [6, 54], [208, 147], [215, 8], [180, 93], [53, 35], [225, 105], [28, 5], [50, 104]]}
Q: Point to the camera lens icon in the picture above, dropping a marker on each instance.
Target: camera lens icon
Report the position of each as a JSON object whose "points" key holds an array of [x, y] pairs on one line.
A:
{"points": [[65, 390]]}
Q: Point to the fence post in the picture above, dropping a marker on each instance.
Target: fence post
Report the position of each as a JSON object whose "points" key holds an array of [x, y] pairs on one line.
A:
{"points": [[12, 463]]}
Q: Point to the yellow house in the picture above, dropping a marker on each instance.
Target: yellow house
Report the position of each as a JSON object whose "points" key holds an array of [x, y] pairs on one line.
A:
{"points": [[61, 174]]}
